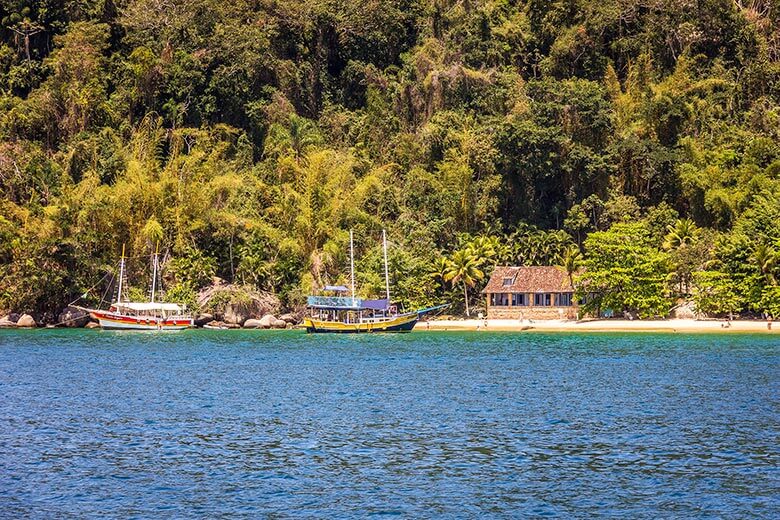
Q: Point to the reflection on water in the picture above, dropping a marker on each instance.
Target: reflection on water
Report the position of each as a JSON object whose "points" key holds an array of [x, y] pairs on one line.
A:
{"points": [[215, 423]]}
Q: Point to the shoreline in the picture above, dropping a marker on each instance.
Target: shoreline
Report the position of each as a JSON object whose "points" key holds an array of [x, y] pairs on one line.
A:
{"points": [[683, 326], [595, 325]]}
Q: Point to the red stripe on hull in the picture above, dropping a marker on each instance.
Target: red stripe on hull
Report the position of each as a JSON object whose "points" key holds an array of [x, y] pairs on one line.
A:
{"points": [[120, 320]]}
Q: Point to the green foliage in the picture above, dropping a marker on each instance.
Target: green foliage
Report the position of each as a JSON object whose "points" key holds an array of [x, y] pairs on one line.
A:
{"points": [[716, 294], [193, 267], [624, 272], [464, 269], [183, 293]]}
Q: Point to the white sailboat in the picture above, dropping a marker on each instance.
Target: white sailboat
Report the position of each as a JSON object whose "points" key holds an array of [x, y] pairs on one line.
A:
{"points": [[151, 315]]}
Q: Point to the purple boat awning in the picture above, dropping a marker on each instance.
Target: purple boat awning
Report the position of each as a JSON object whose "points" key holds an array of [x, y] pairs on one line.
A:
{"points": [[377, 305]]}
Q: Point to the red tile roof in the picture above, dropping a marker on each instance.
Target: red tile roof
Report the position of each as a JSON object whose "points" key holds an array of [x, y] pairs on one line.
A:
{"points": [[529, 279]]}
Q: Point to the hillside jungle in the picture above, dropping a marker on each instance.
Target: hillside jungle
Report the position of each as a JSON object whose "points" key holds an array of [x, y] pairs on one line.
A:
{"points": [[636, 143]]}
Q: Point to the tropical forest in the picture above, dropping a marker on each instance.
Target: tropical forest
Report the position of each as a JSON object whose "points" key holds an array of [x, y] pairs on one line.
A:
{"points": [[634, 143]]}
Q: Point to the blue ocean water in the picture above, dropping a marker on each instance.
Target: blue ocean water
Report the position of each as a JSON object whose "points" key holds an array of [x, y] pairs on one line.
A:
{"points": [[283, 424]]}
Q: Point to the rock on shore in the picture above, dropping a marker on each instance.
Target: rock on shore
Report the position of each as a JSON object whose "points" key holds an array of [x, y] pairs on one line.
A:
{"points": [[73, 317], [7, 323], [203, 319], [253, 324], [26, 321], [267, 321], [235, 304], [289, 318]]}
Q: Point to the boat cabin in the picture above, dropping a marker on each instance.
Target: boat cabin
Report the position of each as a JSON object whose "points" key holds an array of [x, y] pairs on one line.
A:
{"points": [[334, 305], [150, 309], [530, 292]]}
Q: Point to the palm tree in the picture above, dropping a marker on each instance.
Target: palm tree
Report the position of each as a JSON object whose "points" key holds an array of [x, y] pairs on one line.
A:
{"points": [[464, 268], [765, 258], [152, 232], [683, 232], [570, 260], [439, 269], [483, 248], [297, 138]]}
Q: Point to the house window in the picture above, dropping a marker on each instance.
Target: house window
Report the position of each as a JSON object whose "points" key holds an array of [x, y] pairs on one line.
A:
{"points": [[499, 299], [518, 299], [564, 299], [507, 282], [542, 299]]}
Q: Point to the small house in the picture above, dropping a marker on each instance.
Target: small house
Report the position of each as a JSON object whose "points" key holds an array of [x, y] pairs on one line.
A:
{"points": [[530, 292]]}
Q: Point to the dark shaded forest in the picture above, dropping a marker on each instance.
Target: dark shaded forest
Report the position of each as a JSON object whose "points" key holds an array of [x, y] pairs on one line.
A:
{"points": [[639, 140]]}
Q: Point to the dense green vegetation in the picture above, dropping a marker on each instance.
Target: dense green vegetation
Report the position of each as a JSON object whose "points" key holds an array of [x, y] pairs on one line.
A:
{"points": [[639, 139]]}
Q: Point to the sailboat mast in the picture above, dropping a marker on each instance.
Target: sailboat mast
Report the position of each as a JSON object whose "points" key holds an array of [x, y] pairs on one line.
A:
{"points": [[121, 274], [154, 273], [352, 263], [387, 276]]}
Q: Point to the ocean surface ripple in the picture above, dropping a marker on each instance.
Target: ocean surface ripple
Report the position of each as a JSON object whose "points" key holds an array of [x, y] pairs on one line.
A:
{"points": [[282, 424]]}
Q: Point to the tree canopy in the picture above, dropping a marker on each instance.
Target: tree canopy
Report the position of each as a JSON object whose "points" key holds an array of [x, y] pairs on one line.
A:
{"points": [[247, 138]]}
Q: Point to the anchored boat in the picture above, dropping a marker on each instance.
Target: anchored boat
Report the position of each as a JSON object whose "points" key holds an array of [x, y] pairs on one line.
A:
{"points": [[151, 315], [335, 312]]}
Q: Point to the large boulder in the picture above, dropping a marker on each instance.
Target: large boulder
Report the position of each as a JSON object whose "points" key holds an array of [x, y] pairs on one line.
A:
{"points": [[236, 303], [202, 319], [684, 311], [236, 313], [279, 324], [92, 325], [288, 318], [73, 317], [221, 325], [252, 323], [26, 321], [6, 323], [267, 321]]}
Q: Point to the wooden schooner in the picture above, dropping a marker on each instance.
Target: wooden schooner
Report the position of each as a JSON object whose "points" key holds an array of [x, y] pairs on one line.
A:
{"points": [[337, 313], [151, 315]]}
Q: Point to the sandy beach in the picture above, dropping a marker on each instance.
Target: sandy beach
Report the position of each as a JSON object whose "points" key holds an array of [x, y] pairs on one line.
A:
{"points": [[681, 325]]}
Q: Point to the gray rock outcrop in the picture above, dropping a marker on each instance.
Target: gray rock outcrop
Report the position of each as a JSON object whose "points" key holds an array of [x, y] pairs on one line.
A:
{"points": [[236, 313], [202, 319], [252, 324], [236, 303], [267, 321], [73, 317], [6, 323], [289, 318]]}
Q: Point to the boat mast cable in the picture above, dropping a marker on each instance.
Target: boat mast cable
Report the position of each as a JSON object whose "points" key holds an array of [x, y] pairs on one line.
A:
{"points": [[387, 276], [352, 265], [154, 274], [121, 274]]}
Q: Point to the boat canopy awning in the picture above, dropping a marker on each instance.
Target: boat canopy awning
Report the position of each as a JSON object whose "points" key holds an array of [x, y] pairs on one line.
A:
{"points": [[346, 303], [376, 305], [333, 302], [336, 288], [148, 306]]}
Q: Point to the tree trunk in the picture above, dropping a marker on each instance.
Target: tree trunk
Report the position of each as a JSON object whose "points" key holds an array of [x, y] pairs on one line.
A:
{"points": [[466, 299]]}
